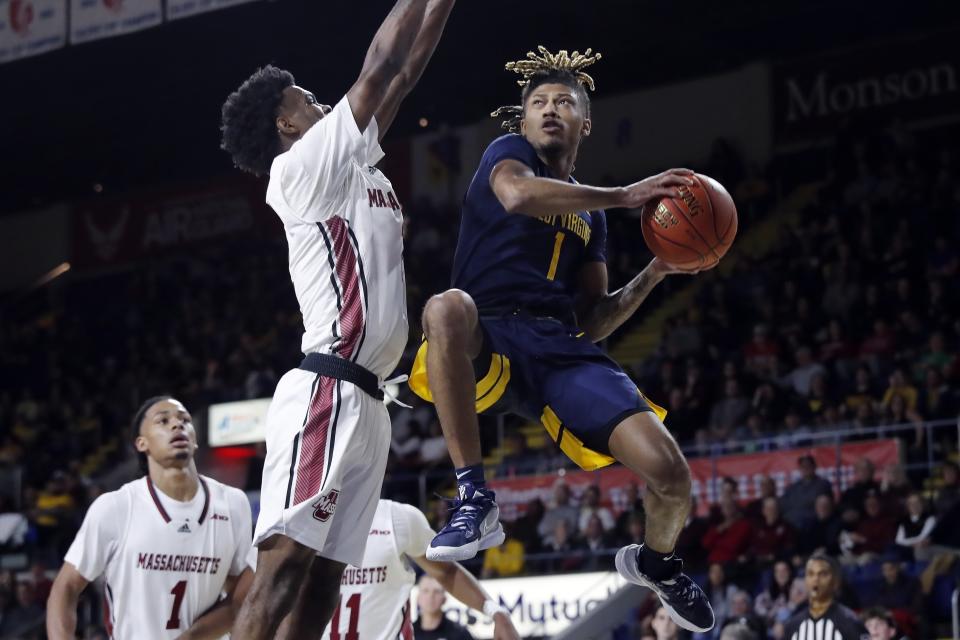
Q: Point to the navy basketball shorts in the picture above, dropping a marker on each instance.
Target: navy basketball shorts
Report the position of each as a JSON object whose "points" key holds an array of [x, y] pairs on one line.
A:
{"points": [[546, 370]]}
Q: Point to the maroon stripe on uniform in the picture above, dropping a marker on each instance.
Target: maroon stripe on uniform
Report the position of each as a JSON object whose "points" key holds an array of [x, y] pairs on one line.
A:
{"points": [[313, 446], [351, 298], [156, 500]]}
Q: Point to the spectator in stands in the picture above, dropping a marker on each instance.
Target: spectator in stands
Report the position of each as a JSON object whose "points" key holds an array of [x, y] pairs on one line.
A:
{"points": [[55, 514], [561, 543], [25, 613], [728, 541], [761, 353], [767, 489], [432, 624], [590, 506], [738, 631], [719, 590], [690, 542], [875, 533], [895, 487], [729, 490], [863, 483], [634, 506], [729, 412], [900, 387], [635, 530], [525, 527], [741, 613], [506, 560], [773, 602], [915, 529], [948, 493], [561, 510], [41, 583], [682, 420], [897, 590], [797, 502], [517, 456], [771, 538], [805, 370], [664, 628], [595, 542], [880, 624], [937, 401]]}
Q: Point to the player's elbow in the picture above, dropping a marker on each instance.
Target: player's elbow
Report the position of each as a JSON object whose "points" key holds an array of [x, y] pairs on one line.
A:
{"points": [[513, 198]]}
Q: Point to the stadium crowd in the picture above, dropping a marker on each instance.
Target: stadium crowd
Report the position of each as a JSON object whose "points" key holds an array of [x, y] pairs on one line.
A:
{"points": [[849, 320]]}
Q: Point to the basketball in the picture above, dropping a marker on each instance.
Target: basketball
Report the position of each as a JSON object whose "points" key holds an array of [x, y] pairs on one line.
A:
{"points": [[694, 229]]}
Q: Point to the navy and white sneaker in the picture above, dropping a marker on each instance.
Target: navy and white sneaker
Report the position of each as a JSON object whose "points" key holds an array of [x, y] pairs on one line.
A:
{"points": [[683, 598], [474, 525]]}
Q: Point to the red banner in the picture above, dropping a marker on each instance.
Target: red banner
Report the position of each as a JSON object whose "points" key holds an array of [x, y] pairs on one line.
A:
{"points": [[123, 229], [833, 463]]}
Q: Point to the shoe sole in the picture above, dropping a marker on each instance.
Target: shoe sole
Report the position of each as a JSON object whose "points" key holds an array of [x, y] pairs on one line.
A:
{"points": [[456, 554], [635, 577]]}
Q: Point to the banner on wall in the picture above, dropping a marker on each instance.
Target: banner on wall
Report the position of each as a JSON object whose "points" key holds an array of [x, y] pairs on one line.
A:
{"points": [[232, 423], [95, 19], [112, 231], [185, 8], [540, 606], [31, 27], [833, 463]]}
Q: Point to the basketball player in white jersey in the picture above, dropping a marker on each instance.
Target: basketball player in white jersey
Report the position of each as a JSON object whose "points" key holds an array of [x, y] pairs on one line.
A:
{"points": [[328, 432], [375, 594], [168, 544]]}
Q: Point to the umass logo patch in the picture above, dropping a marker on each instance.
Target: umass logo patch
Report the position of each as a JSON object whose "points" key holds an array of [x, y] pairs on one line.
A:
{"points": [[326, 505]]}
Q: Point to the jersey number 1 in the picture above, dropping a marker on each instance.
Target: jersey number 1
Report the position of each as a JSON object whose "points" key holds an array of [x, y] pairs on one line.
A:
{"points": [[177, 591], [555, 259], [353, 603]]}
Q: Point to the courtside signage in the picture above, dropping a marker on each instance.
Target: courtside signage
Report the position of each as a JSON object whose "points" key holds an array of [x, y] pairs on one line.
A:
{"points": [[538, 606], [231, 423]]}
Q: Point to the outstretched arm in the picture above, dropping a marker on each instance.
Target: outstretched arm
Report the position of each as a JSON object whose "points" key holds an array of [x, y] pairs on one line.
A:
{"points": [[521, 191], [62, 603], [386, 58], [434, 20], [464, 587], [600, 313]]}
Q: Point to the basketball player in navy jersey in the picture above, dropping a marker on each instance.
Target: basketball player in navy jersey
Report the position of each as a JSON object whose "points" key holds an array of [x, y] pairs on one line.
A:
{"points": [[517, 331]]}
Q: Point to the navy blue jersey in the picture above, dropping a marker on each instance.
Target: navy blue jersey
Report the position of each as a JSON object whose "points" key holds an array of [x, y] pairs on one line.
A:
{"points": [[507, 260]]}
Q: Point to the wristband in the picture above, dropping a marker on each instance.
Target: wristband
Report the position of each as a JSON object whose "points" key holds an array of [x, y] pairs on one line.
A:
{"points": [[491, 608]]}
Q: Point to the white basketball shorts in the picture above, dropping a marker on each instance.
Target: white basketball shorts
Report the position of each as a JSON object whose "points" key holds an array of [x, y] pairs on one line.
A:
{"points": [[327, 447]]}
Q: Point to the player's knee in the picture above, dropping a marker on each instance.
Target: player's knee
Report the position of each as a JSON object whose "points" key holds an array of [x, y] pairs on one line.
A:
{"points": [[671, 478], [450, 314]]}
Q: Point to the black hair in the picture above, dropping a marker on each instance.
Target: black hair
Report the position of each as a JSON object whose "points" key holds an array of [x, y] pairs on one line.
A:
{"points": [[138, 418], [248, 120], [879, 612], [835, 569], [557, 76]]}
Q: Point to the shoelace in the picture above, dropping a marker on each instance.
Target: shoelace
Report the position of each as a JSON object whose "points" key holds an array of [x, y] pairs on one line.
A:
{"points": [[462, 518], [685, 589]]}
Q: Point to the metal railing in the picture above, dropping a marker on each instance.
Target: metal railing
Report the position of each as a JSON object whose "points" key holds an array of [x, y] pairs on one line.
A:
{"points": [[933, 432]]}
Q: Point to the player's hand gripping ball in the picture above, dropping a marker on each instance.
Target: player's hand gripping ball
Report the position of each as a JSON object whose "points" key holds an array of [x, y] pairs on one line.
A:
{"points": [[694, 229]]}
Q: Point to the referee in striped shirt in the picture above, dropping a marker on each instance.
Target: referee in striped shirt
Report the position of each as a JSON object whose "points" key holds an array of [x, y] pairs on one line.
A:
{"points": [[824, 618]]}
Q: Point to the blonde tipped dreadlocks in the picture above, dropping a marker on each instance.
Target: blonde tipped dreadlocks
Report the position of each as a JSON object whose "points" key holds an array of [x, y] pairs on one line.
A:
{"points": [[546, 62]]}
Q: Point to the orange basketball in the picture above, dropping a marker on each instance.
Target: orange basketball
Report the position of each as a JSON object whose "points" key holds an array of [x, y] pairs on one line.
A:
{"points": [[694, 229]]}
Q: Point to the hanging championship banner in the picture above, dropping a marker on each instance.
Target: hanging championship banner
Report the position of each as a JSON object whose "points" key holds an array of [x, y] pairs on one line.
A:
{"points": [[95, 19], [185, 8], [31, 27]]}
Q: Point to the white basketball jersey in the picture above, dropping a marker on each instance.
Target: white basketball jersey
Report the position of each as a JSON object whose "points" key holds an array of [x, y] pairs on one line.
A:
{"points": [[344, 229], [164, 562], [375, 597]]}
